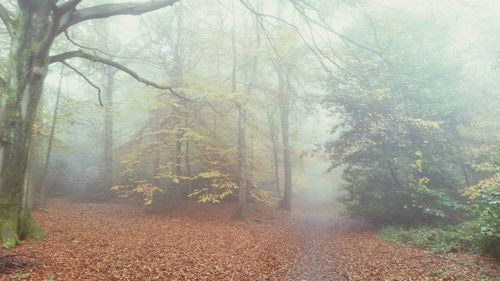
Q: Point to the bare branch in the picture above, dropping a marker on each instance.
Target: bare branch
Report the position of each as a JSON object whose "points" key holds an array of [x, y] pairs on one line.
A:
{"points": [[110, 10], [94, 50], [322, 23], [87, 80], [6, 17], [114, 56], [68, 6], [81, 54], [314, 49], [299, 8]]}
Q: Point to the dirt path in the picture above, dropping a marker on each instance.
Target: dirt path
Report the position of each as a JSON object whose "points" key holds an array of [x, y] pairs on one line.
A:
{"points": [[340, 248], [120, 242], [313, 225], [318, 259]]}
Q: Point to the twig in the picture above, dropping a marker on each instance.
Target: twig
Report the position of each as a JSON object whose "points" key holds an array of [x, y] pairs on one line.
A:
{"points": [[86, 79]]}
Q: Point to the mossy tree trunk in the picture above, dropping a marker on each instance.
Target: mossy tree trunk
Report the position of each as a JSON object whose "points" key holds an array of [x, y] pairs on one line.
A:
{"points": [[31, 41]]}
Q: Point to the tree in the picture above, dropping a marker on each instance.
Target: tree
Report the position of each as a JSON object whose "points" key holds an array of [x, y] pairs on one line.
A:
{"points": [[242, 132], [273, 131], [397, 138], [284, 109], [43, 187], [107, 170], [33, 27]]}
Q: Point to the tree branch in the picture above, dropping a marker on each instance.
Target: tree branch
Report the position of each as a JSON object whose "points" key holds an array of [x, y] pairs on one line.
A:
{"points": [[322, 23], [313, 48], [81, 54], [6, 17], [87, 80], [110, 10], [68, 6], [95, 51]]}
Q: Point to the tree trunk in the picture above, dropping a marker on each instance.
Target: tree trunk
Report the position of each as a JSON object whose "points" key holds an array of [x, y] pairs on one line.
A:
{"points": [[28, 190], [107, 171], [20, 98], [187, 160], [45, 175], [242, 173], [178, 151], [251, 159], [466, 175], [244, 191], [180, 191], [156, 159], [274, 141], [286, 202], [394, 175]]}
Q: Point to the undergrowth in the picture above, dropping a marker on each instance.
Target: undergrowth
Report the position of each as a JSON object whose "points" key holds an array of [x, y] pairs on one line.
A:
{"points": [[466, 237]]}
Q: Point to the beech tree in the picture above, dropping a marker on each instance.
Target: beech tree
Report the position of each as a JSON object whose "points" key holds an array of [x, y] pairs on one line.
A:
{"points": [[33, 27]]}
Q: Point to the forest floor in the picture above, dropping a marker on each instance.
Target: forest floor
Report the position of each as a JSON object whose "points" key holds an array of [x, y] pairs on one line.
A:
{"points": [[116, 241]]}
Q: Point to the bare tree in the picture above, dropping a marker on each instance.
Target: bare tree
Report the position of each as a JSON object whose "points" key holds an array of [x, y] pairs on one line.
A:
{"points": [[242, 145]]}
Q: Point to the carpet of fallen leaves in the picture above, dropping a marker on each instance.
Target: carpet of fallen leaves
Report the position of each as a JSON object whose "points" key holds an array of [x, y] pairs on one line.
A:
{"points": [[116, 241]]}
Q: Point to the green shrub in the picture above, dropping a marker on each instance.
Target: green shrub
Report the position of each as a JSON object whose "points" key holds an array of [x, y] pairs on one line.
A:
{"points": [[487, 225], [439, 239], [467, 237]]}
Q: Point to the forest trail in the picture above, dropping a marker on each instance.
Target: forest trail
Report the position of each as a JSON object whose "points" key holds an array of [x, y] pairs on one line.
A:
{"points": [[336, 247], [318, 259], [115, 241], [313, 224]]}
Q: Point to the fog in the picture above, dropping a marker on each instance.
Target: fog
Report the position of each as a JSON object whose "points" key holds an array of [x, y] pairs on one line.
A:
{"points": [[355, 114], [311, 44]]}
